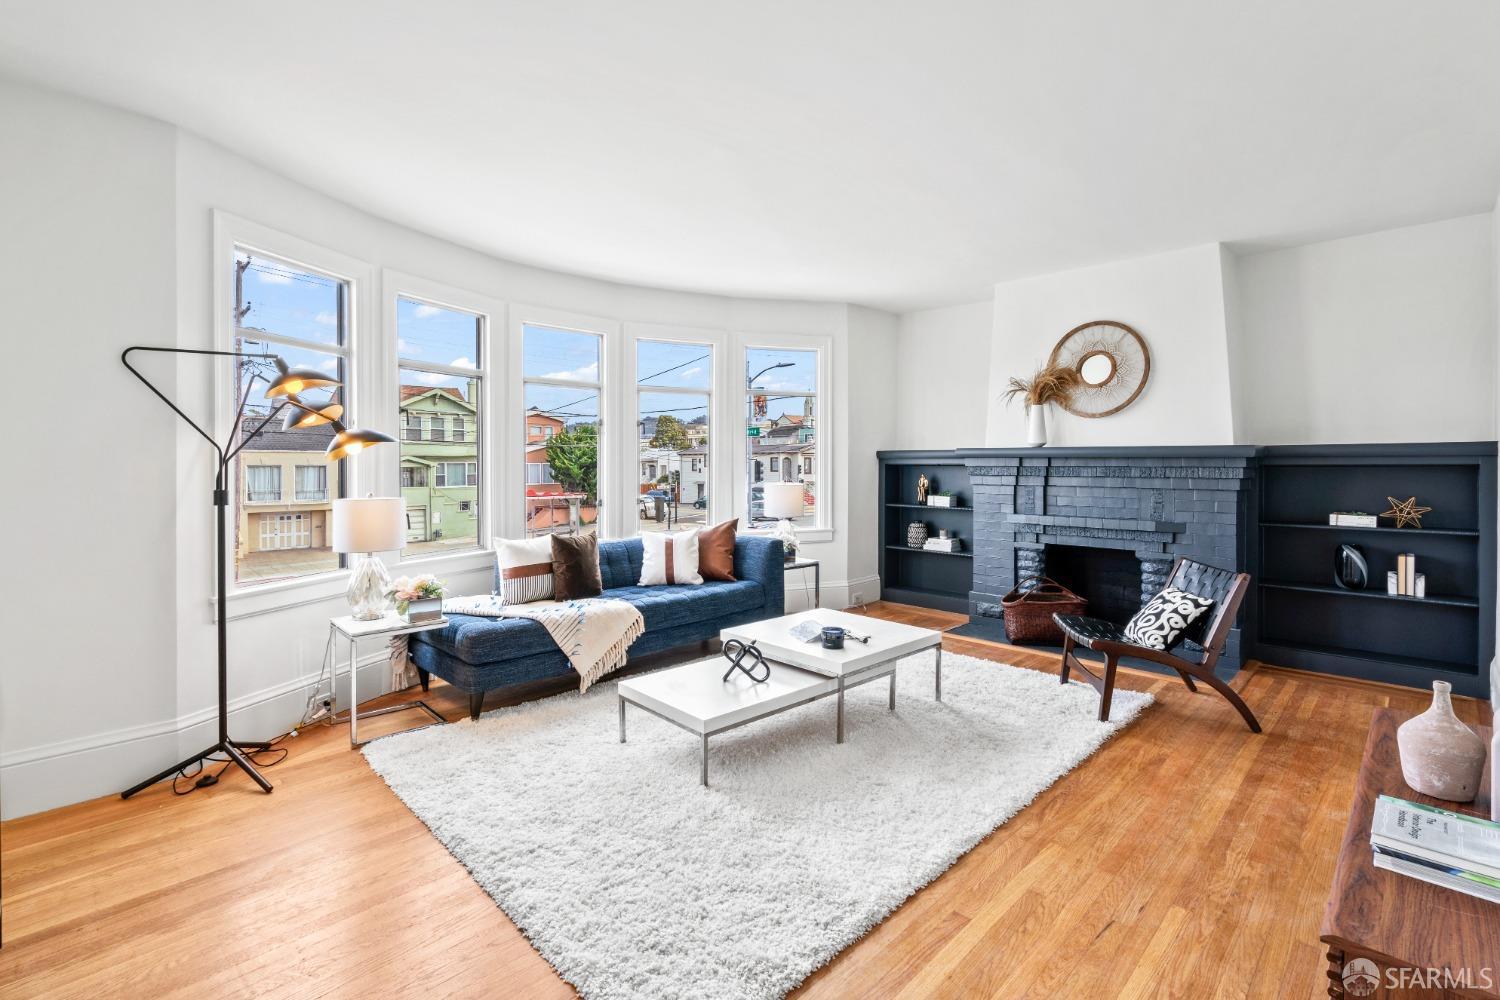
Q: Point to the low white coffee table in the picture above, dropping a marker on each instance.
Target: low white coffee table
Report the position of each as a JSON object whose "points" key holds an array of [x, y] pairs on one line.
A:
{"points": [[696, 697]]}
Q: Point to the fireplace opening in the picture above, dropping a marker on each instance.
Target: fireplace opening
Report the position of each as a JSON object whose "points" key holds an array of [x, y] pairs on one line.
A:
{"points": [[1110, 579]]}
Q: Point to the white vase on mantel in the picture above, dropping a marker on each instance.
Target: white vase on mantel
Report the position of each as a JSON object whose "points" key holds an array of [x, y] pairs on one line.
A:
{"points": [[1036, 424], [1440, 756]]}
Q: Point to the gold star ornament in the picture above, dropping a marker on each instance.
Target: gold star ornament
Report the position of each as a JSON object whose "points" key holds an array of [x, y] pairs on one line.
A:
{"points": [[1406, 512]]}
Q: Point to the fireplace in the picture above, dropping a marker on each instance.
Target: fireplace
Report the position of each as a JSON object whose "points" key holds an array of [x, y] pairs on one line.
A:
{"points": [[1108, 523], [1109, 579]]}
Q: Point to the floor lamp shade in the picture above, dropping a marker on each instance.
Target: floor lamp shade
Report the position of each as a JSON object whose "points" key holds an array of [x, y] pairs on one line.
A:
{"points": [[369, 524], [783, 500]]}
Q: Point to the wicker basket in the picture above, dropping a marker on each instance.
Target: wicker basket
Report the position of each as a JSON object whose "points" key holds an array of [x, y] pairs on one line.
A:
{"points": [[1030, 606]]}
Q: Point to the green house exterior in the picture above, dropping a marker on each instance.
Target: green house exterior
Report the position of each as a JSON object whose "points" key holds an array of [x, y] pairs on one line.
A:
{"points": [[440, 466]]}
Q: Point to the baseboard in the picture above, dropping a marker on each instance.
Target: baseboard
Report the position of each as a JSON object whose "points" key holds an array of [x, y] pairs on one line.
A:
{"points": [[836, 593], [69, 771]]}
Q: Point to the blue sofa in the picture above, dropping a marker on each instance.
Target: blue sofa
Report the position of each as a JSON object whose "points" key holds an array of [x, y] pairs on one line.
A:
{"points": [[478, 654]]}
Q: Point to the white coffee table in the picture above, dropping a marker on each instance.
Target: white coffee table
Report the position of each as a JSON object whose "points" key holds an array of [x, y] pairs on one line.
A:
{"points": [[696, 697]]}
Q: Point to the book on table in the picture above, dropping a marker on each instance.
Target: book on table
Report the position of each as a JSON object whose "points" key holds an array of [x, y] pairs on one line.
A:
{"points": [[1437, 845]]}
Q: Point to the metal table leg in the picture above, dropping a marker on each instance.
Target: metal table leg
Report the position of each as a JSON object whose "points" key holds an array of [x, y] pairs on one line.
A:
{"points": [[703, 767], [817, 584], [353, 692], [840, 737], [938, 674], [893, 690], [622, 718]]}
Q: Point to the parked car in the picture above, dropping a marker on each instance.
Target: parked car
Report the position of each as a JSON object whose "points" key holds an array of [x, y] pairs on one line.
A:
{"points": [[647, 501], [702, 502]]}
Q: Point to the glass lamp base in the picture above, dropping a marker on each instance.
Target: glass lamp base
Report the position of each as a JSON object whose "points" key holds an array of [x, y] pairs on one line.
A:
{"points": [[367, 586], [785, 531]]}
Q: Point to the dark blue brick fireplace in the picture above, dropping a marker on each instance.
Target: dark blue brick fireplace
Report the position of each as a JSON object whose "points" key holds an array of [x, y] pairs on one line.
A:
{"points": [[1153, 503]]}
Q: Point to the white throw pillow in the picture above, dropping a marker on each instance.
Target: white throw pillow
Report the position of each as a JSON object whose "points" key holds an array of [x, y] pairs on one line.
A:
{"points": [[1165, 617], [523, 569], [669, 558]]}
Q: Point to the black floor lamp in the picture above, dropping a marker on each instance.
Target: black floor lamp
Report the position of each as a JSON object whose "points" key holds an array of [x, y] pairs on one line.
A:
{"points": [[284, 388]]}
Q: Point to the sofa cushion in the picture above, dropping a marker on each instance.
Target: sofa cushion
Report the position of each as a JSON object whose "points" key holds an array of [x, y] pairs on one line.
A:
{"points": [[487, 640]]}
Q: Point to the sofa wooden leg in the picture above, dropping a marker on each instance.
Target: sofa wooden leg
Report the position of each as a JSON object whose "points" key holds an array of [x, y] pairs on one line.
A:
{"points": [[425, 678], [476, 704]]}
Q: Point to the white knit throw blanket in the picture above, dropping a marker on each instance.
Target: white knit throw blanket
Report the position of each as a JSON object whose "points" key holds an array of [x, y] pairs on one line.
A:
{"points": [[594, 633]]}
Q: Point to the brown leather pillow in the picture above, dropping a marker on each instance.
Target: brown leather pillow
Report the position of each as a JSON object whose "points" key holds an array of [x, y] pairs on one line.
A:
{"points": [[575, 567], [716, 551]]}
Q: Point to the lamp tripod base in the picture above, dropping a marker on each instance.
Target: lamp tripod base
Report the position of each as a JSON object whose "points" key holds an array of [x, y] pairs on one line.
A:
{"points": [[235, 750]]}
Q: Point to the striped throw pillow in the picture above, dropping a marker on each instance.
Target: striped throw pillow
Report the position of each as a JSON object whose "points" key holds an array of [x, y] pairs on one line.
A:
{"points": [[523, 570], [668, 558]]}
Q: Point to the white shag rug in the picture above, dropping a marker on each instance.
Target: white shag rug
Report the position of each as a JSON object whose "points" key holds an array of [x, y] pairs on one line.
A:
{"points": [[635, 881]]}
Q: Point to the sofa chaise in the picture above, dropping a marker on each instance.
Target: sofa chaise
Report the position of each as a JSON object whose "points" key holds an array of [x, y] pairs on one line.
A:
{"points": [[477, 655]]}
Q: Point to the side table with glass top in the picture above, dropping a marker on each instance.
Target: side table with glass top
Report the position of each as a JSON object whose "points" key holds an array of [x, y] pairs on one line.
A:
{"points": [[385, 627], [812, 564]]}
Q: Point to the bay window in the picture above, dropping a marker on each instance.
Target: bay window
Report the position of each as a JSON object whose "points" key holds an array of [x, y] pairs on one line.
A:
{"points": [[781, 427], [561, 388], [674, 399]]}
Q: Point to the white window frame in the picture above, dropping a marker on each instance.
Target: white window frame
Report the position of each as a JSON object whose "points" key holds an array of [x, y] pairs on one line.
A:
{"points": [[611, 495], [715, 341], [360, 374], [822, 465], [494, 393]]}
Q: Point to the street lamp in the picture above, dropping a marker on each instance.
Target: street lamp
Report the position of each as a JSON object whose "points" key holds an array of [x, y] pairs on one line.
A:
{"points": [[749, 447]]}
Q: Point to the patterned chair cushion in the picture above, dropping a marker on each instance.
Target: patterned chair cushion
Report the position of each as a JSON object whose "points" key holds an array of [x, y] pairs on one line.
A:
{"points": [[1165, 619]]}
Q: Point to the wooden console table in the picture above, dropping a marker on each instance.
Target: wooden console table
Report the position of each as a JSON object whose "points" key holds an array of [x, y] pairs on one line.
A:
{"points": [[1399, 922]]}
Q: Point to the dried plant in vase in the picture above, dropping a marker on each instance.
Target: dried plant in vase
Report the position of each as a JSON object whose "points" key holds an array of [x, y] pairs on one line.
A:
{"points": [[1050, 384]]}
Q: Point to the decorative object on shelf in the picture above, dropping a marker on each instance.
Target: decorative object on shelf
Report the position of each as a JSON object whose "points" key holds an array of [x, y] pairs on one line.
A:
{"points": [[737, 652], [1353, 519], [940, 500], [1350, 570], [784, 501], [364, 526], [1112, 364], [1051, 383], [916, 534], [1029, 607], [419, 599], [944, 533], [833, 637], [1406, 512], [1409, 583], [946, 544], [282, 390], [923, 485], [1440, 756]]}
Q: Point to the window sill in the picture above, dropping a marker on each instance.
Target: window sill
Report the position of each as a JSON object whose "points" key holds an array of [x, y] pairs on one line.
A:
{"points": [[248, 602]]}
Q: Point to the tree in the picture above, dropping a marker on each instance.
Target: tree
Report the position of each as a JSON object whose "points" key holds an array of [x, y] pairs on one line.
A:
{"points": [[574, 458], [670, 434]]}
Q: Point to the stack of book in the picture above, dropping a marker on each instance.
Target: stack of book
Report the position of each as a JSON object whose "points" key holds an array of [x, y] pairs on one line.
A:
{"points": [[1353, 519], [1445, 848], [1404, 580], [943, 545]]}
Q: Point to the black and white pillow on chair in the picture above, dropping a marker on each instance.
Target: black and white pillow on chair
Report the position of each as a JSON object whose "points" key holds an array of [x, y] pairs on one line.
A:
{"points": [[1163, 620]]}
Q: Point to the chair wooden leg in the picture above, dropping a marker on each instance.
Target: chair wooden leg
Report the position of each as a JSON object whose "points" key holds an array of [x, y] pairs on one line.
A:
{"points": [[1187, 679], [425, 678], [1208, 677], [476, 704], [1111, 660], [1067, 652]]}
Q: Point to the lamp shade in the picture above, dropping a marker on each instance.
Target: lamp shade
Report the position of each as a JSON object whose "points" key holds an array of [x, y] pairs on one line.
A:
{"points": [[369, 524], [783, 500], [346, 442]]}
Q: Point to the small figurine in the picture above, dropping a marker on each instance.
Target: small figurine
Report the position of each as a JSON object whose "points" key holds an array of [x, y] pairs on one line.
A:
{"points": [[922, 486]]}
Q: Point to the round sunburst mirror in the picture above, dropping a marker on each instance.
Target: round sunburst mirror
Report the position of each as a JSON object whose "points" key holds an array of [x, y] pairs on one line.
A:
{"points": [[1113, 364]]}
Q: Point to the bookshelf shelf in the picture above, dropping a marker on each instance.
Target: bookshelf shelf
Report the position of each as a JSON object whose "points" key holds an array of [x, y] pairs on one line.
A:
{"points": [[1315, 588], [1409, 532], [925, 577], [930, 552]]}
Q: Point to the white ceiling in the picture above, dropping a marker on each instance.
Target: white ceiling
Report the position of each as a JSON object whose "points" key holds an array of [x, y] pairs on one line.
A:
{"points": [[895, 154]]}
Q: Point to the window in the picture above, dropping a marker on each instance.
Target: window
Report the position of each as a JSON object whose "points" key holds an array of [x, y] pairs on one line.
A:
{"points": [[312, 482], [263, 483], [561, 396], [673, 386], [781, 400], [441, 376], [300, 315]]}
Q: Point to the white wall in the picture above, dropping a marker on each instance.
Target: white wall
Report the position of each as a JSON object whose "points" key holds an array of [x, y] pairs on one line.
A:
{"points": [[88, 591], [943, 376], [1376, 338], [113, 675], [1174, 300]]}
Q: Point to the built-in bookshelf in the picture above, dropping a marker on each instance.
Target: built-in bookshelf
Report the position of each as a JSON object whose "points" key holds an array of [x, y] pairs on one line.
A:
{"points": [[1303, 619], [925, 577]]}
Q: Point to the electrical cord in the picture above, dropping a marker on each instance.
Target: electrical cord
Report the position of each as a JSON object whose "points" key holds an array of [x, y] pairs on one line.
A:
{"points": [[204, 780]]}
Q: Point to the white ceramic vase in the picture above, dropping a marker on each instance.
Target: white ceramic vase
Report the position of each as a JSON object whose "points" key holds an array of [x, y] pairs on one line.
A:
{"points": [[1440, 756], [1036, 425]]}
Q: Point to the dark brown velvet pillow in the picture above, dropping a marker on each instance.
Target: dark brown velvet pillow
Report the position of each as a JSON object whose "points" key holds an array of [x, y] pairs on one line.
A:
{"points": [[716, 551], [575, 567]]}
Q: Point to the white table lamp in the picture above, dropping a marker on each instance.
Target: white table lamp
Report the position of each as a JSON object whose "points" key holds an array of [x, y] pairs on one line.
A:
{"points": [[366, 526], [783, 501]]}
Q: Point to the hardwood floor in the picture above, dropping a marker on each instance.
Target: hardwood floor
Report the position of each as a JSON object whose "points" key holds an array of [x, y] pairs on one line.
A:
{"points": [[1186, 858]]}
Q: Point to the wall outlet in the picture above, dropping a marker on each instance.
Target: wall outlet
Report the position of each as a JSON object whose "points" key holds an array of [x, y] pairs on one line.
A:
{"points": [[856, 598]]}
